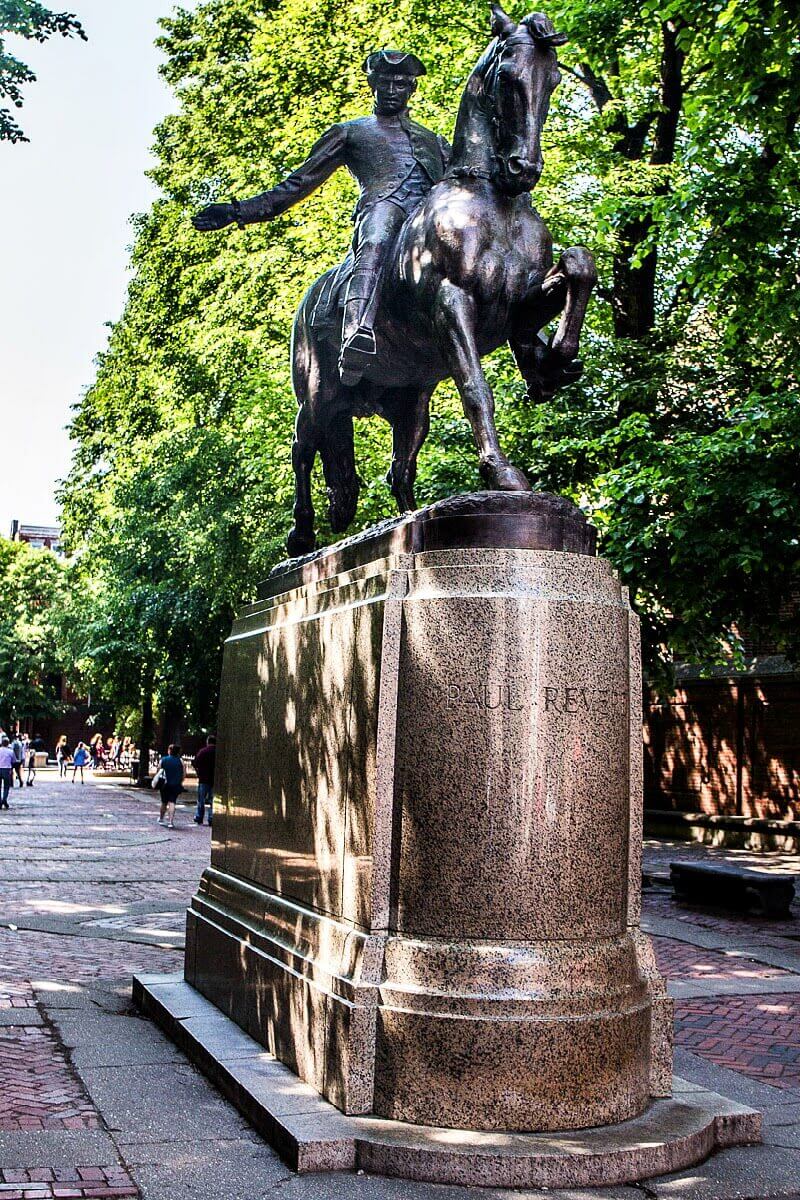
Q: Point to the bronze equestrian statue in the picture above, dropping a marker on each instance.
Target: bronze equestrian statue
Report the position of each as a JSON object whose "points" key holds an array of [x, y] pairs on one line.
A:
{"points": [[468, 269], [395, 161]]}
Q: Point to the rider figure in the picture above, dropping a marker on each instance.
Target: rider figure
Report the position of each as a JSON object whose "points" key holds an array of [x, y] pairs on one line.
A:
{"points": [[395, 161]]}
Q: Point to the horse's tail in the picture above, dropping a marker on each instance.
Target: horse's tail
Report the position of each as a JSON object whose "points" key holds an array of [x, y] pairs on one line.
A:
{"points": [[339, 468]]}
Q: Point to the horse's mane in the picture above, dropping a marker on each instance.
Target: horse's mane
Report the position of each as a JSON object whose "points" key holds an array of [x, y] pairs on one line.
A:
{"points": [[475, 112], [536, 27]]}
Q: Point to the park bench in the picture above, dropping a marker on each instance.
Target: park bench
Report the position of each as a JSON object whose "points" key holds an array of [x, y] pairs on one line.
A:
{"points": [[726, 886]]}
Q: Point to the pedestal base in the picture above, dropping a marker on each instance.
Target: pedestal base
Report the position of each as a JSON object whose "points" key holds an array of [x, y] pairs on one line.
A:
{"points": [[425, 875], [312, 1135], [553, 1036]]}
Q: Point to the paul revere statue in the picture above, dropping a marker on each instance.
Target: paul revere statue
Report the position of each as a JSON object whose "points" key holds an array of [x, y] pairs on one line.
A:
{"points": [[396, 162]]}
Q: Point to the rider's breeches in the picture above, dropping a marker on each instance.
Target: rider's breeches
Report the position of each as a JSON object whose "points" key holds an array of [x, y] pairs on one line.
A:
{"points": [[376, 229]]}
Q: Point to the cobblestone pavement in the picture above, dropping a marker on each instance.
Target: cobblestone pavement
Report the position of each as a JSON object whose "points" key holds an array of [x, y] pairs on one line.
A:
{"points": [[94, 1101]]}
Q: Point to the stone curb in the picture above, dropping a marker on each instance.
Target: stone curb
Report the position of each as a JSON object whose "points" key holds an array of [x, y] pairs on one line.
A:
{"points": [[312, 1135]]}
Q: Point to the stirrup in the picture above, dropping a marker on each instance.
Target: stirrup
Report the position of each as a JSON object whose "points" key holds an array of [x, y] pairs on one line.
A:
{"points": [[360, 342], [356, 353]]}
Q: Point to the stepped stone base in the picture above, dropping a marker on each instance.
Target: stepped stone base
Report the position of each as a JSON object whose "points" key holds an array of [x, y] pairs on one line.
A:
{"points": [[311, 1134]]}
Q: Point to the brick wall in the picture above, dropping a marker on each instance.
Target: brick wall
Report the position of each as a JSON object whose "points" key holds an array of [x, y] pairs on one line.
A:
{"points": [[726, 746]]}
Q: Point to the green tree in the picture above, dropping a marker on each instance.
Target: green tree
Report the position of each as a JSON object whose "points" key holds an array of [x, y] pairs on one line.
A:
{"points": [[27, 19], [670, 151], [31, 659]]}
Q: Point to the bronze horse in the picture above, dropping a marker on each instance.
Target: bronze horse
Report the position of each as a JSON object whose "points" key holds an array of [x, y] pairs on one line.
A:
{"points": [[472, 268]]}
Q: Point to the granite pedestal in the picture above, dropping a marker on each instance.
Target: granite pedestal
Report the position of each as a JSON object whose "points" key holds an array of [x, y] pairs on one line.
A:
{"points": [[424, 887]]}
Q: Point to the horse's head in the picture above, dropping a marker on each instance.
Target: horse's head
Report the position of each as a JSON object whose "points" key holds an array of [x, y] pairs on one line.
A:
{"points": [[520, 73]]}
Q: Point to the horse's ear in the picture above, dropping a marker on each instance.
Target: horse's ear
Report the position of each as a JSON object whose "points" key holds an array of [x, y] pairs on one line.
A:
{"points": [[502, 25]]}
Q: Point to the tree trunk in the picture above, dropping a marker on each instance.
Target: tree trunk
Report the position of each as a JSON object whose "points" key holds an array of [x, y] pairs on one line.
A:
{"points": [[634, 297], [146, 740], [172, 725]]}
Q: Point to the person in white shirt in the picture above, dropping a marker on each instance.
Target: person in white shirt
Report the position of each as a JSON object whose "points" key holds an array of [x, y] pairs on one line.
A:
{"points": [[16, 750], [6, 770]]}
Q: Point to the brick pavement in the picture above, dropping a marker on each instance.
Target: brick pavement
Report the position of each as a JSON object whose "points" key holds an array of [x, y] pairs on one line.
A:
{"points": [[16, 994], [738, 927], [681, 960], [98, 896], [754, 1033], [39, 1089], [84, 876], [757, 1035], [44, 1183], [71, 959]]}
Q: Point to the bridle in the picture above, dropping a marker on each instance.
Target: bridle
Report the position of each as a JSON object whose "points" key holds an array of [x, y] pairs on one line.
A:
{"points": [[489, 71]]}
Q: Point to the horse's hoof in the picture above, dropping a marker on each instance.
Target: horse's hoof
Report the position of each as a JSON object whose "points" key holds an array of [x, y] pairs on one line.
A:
{"points": [[298, 543], [503, 477]]}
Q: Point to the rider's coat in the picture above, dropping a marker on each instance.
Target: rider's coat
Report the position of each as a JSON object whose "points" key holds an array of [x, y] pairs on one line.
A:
{"points": [[370, 150]]}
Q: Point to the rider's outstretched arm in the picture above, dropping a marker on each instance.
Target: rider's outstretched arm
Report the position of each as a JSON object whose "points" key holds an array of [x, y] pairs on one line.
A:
{"points": [[326, 155]]}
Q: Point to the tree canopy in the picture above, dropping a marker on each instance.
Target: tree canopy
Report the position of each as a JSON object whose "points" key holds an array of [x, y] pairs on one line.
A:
{"points": [[27, 19], [671, 152], [34, 596]]}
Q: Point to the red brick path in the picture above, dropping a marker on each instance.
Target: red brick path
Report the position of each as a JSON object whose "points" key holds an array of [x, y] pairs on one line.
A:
{"points": [[42, 1183], [47, 956], [38, 1087], [16, 995], [757, 1035], [679, 960], [88, 872]]}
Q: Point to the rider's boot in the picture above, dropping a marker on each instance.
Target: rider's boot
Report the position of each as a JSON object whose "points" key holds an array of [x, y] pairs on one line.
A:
{"points": [[358, 339], [358, 349]]}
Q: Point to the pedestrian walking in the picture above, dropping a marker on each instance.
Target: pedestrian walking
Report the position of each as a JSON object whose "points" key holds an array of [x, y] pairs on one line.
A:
{"points": [[100, 760], [170, 772], [204, 762], [116, 751], [62, 756], [35, 746], [95, 748], [19, 759], [6, 770], [79, 760]]}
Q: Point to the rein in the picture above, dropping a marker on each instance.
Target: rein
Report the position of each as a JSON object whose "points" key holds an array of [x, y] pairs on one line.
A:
{"points": [[470, 173]]}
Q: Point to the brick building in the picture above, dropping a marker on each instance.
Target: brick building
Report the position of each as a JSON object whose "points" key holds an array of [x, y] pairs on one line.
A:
{"points": [[727, 746], [43, 537]]}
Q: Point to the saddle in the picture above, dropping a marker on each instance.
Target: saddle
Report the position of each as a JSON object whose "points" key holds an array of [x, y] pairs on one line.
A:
{"points": [[325, 316]]}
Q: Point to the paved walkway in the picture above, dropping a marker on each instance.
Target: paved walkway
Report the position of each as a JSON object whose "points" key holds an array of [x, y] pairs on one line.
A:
{"points": [[94, 1102]]}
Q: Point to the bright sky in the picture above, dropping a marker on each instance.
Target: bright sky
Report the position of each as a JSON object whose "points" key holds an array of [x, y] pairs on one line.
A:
{"points": [[65, 204]]}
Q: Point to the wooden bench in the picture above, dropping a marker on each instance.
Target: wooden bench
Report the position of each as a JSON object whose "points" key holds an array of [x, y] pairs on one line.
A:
{"points": [[724, 886]]}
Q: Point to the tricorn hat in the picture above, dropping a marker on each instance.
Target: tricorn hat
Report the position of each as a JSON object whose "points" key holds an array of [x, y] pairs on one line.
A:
{"points": [[392, 62]]}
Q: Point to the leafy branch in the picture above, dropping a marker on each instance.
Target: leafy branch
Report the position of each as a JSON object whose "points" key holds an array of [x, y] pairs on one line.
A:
{"points": [[26, 19]]}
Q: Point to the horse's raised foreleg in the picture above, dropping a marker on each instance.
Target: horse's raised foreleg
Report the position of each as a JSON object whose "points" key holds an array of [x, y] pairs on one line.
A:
{"points": [[301, 539], [547, 365], [410, 424], [455, 320], [576, 265]]}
